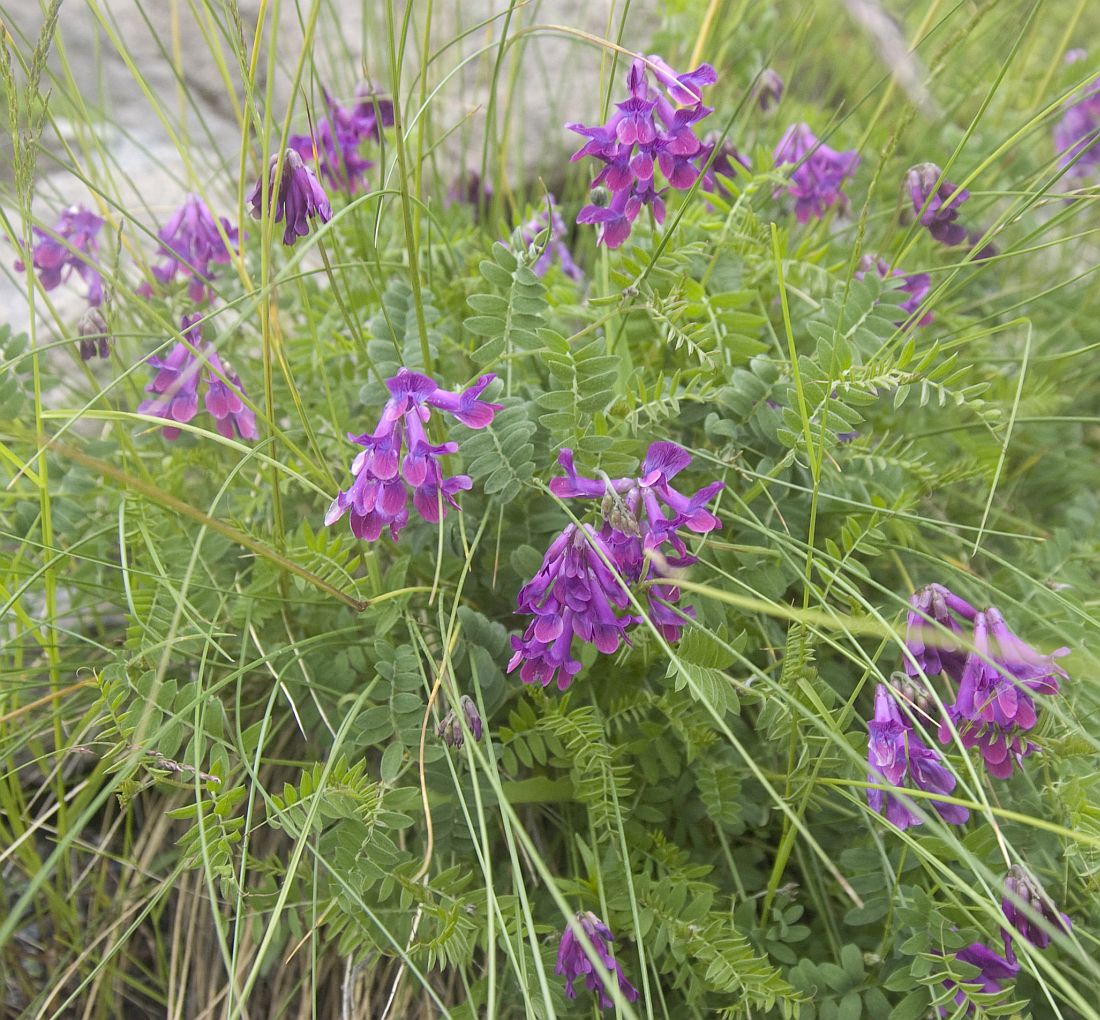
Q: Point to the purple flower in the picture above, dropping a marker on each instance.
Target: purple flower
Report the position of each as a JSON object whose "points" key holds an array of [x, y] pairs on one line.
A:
{"points": [[994, 704], [932, 609], [296, 196], [555, 245], [1077, 134], [1029, 911], [378, 498], [70, 247], [819, 171], [993, 969], [93, 335], [179, 376], [573, 594], [936, 203], [191, 244], [449, 729], [652, 131], [636, 526], [896, 753], [769, 89], [573, 961], [916, 285]]}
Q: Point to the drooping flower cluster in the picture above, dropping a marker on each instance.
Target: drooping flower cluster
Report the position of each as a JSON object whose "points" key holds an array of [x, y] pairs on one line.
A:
{"points": [[995, 673], [768, 90], [450, 730], [191, 243], [1030, 913], [336, 143], [573, 961], [295, 196], [575, 594], [993, 971], [1077, 134], [398, 456], [937, 202], [71, 247], [653, 130], [896, 754], [555, 246], [916, 285], [188, 367], [819, 172]]}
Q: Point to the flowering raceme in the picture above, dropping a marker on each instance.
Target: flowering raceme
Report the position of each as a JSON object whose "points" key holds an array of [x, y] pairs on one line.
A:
{"points": [[555, 242], [1030, 913], [819, 172], [573, 961], [70, 247], [636, 526], [295, 198], [187, 367], [191, 243], [931, 613], [653, 130], [937, 202], [337, 138], [916, 285], [378, 498], [1077, 134], [896, 753]]}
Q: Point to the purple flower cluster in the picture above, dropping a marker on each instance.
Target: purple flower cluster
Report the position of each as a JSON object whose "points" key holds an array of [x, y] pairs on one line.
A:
{"points": [[573, 961], [450, 730], [653, 130], [819, 172], [188, 367], [295, 196], [71, 247], [896, 754], [191, 243], [1030, 913], [92, 334], [575, 594], [916, 285], [398, 456], [336, 143], [937, 202], [993, 970], [1077, 134], [555, 243], [996, 674], [768, 90]]}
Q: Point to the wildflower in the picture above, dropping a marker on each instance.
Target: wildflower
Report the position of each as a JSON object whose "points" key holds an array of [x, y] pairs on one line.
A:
{"points": [[383, 477], [636, 526], [296, 196], [992, 968], [769, 89], [651, 131], [337, 138], [555, 246], [916, 285], [70, 247], [937, 202], [1077, 134], [1029, 911], [450, 727], [931, 650], [176, 387], [896, 753], [994, 707], [191, 243], [574, 594], [573, 961], [819, 172], [93, 335]]}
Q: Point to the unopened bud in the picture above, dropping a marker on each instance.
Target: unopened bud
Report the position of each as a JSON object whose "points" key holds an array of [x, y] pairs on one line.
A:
{"points": [[92, 333]]}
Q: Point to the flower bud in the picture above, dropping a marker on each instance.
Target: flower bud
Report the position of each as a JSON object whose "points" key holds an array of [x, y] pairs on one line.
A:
{"points": [[92, 333]]}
